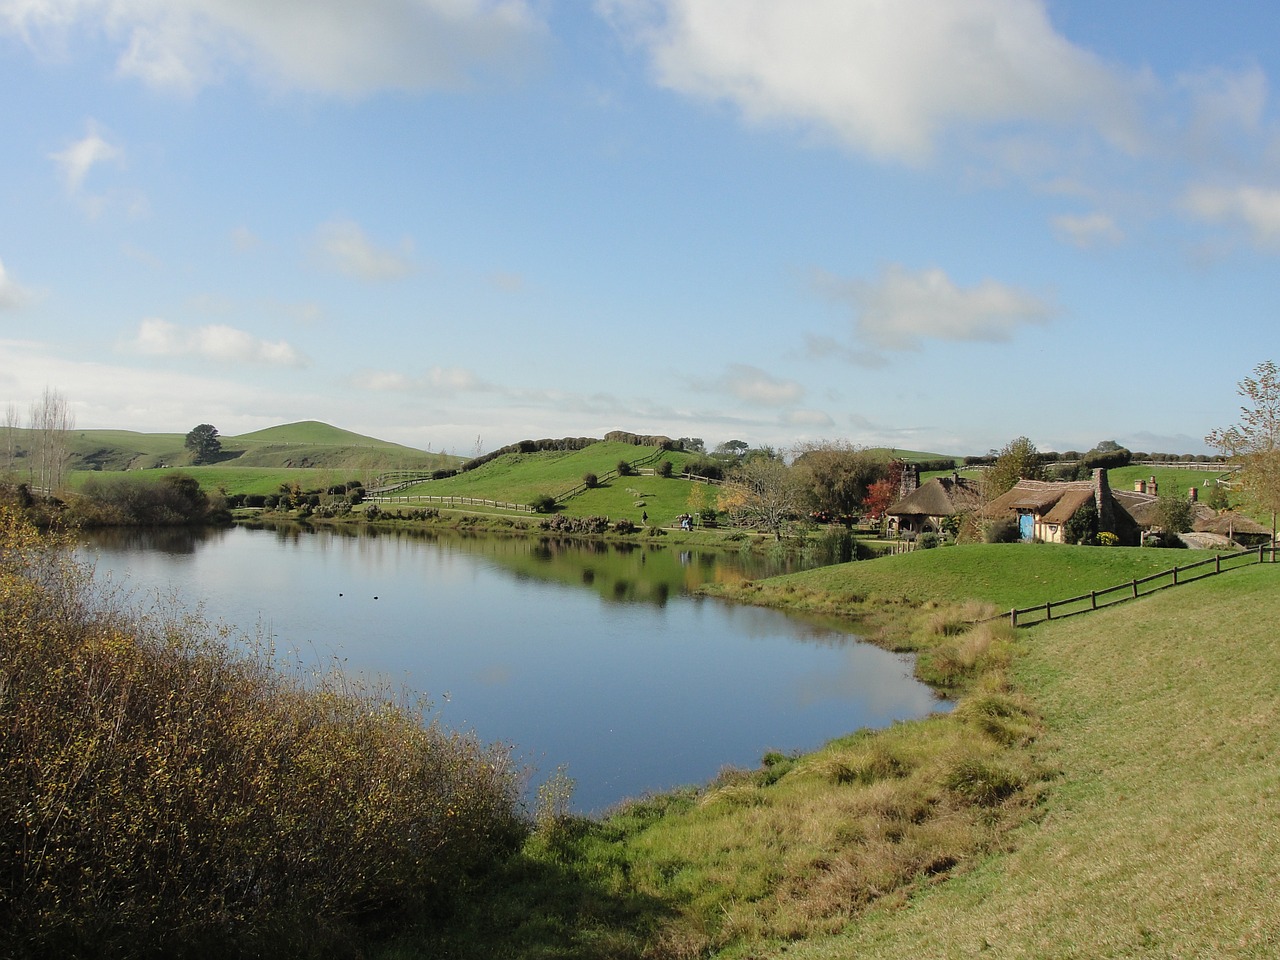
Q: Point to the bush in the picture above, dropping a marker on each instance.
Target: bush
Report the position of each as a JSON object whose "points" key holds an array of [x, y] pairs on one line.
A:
{"points": [[543, 503], [625, 526], [165, 793], [664, 468], [927, 541], [1002, 531], [590, 480]]}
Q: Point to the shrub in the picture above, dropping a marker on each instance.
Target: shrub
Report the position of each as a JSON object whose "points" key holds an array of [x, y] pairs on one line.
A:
{"points": [[168, 793], [664, 468], [543, 503], [926, 541], [1108, 539], [625, 469], [625, 526], [590, 480], [1004, 530]]}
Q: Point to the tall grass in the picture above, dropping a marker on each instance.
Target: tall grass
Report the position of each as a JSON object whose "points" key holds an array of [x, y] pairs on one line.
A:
{"points": [[164, 791]]}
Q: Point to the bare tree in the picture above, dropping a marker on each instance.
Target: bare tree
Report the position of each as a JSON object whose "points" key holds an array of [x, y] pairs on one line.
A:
{"points": [[764, 492], [12, 422], [51, 423], [1253, 444]]}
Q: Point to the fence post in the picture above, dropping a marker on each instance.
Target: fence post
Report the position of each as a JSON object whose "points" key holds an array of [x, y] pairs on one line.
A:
{"points": [[1048, 610], [1175, 575], [1013, 617], [1093, 599], [1135, 589], [1217, 563]]}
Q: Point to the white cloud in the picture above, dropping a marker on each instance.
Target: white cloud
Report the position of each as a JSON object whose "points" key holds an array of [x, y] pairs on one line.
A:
{"points": [[753, 385], [888, 79], [77, 160], [217, 342], [12, 295], [900, 308], [437, 380], [326, 46], [1224, 100], [1258, 208], [1088, 229], [346, 247]]}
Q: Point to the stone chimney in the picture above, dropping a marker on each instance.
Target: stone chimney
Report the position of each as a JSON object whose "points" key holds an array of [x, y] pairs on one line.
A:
{"points": [[910, 480]]}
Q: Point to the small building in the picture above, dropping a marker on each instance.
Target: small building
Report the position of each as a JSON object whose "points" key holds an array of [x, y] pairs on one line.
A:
{"points": [[1043, 508], [929, 506]]}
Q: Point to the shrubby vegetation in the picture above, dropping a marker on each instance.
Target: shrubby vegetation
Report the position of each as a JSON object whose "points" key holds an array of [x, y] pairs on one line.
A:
{"points": [[164, 791]]}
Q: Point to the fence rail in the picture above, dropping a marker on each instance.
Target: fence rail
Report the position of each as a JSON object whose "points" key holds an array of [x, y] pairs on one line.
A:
{"points": [[453, 502], [1176, 576]]}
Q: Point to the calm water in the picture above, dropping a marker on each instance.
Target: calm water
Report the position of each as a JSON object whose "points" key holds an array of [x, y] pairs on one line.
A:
{"points": [[592, 657]]}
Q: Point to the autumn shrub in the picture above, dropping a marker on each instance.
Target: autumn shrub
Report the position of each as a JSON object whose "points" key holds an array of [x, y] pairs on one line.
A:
{"points": [[166, 789]]}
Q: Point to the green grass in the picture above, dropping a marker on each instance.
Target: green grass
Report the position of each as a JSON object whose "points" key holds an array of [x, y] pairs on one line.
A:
{"points": [[1161, 836], [1003, 575], [519, 477]]}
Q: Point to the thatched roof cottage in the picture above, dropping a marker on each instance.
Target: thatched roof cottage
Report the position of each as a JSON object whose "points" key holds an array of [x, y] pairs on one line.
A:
{"points": [[929, 506]]}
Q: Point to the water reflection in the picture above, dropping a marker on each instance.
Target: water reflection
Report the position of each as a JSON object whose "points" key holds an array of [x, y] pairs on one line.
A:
{"points": [[596, 656]]}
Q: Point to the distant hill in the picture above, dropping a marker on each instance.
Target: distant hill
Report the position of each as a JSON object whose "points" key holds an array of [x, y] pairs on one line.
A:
{"points": [[308, 443]]}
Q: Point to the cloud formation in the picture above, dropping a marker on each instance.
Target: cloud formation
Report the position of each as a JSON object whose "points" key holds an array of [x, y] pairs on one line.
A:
{"points": [[753, 385], [888, 79], [1257, 208], [1087, 229], [901, 309], [436, 380], [217, 342], [324, 46], [345, 246], [79, 158], [12, 296]]}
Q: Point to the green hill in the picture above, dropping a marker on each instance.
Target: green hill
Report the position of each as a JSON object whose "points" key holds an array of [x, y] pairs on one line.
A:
{"points": [[307, 444]]}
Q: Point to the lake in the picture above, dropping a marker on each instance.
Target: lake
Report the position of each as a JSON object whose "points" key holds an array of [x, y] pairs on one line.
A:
{"points": [[593, 657]]}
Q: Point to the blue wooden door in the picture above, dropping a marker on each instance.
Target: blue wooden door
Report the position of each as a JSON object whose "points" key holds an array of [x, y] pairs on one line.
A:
{"points": [[1027, 526]]}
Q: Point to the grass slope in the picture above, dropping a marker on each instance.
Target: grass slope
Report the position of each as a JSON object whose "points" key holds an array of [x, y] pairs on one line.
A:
{"points": [[1161, 837], [1004, 575], [519, 477]]}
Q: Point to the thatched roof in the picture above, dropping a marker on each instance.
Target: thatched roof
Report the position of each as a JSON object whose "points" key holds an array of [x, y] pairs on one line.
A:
{"points": [[940, 497], [1042, 497], [1229, 523]]}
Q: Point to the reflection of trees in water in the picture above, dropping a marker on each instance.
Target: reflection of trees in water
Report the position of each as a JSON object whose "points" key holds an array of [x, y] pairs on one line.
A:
{"points": [[173, 541]]}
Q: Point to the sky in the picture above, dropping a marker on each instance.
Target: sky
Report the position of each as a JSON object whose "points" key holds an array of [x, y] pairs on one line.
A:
{"points": [[932, 225]]}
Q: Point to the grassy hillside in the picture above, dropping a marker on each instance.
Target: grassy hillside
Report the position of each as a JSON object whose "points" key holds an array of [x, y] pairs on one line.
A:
{"points": [[519, 477], [305, 445], [1161, 835]]}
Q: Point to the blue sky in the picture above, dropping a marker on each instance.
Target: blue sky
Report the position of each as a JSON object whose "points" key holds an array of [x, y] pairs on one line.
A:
{"points": [[926, 224]]}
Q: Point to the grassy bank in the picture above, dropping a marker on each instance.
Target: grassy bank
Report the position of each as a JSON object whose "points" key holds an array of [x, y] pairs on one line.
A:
{"points": [[1161, 835]]}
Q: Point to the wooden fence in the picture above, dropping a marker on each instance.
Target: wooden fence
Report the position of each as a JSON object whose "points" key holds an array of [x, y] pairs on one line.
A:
{"points": [[453, 502], [1096, 599]]}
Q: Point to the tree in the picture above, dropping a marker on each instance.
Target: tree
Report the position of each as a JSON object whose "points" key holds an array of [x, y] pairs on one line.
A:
{"points": [[51, 423], [732, 449], [880, 497], [1017, 460], [763, 492], [203, 443], [837, 475], [1252, 444], [1174, 514]]}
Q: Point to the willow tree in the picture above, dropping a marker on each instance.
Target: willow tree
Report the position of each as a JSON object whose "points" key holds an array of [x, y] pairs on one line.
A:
{"points": [[1253, 444]]}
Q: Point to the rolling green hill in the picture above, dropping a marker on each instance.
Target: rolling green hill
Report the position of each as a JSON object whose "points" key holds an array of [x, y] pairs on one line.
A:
{"points": [[307, 444]]}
